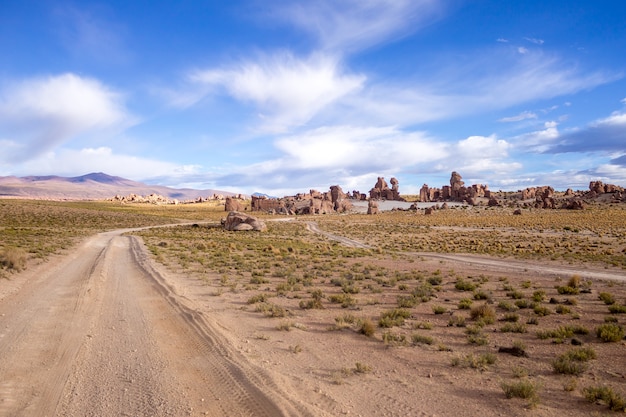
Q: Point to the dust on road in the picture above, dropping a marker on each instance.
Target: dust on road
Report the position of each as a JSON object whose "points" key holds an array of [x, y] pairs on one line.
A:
{"points": [[100, 333]]}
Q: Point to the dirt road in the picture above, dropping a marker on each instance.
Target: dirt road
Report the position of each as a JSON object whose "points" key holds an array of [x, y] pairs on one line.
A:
{"points": [[101, 333], [489, 262]]}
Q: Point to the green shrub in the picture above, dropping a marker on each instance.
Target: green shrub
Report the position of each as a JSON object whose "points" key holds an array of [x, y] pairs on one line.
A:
{"points": [[465, 304], [573, 362], [617, 309], [525, 389], [439, 309], [421, 339], [511, 317], [607, 298], [605, 394], [561, 309], [566, 289], [395, 317], [514, 328], [456, 321], [539, 296], [507, 305], [610, 332], [463, 285]]}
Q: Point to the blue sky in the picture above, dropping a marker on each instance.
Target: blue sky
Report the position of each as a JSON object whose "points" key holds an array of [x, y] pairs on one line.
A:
{"points": [[282, 96]]}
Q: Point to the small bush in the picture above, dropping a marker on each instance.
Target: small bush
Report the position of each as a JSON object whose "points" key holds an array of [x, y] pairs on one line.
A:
{"points": [[541, 310], [367, 328], [573, 362], [465, 304], [259, 298], [511, 317], [607, 298], [507, 305], [456, 321], [463, 285], [605, 394], [13, 258], [525, 389], [514, 328], [617, 309], [439, 309], [481, 295], [395, 317], [420, 339], [539, 296], [561, 309], [610, 332], [483, 312], [566, 289]]}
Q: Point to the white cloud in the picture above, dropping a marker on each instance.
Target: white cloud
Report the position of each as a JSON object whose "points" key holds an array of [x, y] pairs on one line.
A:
{"points": [[522, 116], [357, 148], [287, 91], [522, 50], [535, 41], [342, 25], [540, 140], [483, 147], [346, 155], [38, 114], [71, 162]]}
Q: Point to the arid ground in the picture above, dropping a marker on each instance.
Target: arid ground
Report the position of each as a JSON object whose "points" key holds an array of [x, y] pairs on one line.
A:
{"points": [[398, 314]]}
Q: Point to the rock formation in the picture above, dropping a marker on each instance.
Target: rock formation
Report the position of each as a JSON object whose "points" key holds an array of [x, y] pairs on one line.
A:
{"points": [[381, 190], [232, 204], [236, 221], [372, 207]]}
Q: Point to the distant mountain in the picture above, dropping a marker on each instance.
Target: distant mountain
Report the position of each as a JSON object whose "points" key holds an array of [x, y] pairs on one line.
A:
{"points": [[94, 186], [257, 194]]}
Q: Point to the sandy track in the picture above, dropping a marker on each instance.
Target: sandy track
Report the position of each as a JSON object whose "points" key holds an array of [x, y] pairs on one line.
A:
{"points": [[101, 333]]}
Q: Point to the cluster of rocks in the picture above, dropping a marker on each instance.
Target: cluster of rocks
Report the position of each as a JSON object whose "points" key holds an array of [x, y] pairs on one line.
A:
{"points": [[456, 191], [151, 199], [313, 202], [381, 190], [597, 188], [160, 199], [333, 201]]}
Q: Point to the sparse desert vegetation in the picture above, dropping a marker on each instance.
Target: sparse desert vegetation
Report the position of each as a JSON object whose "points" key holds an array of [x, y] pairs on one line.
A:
{"points": [[292, 285]]}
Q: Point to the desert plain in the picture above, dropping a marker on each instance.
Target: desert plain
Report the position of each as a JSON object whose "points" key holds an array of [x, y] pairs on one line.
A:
{"points": [[111, 309]]}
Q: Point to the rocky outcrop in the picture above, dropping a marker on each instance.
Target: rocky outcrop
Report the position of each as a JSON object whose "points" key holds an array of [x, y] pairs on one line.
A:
{"points": [[150, 199], [381, 190], [597, 188], [544, 198], [457, 186], [574, 204], [236, 221], [232, 204], [313, 202], [372, 207]]}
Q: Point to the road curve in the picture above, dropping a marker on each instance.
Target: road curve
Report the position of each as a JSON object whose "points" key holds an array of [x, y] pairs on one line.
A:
{"points": [[101, 333]]}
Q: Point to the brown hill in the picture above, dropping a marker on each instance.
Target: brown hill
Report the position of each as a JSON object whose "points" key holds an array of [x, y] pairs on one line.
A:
{"points": [[94, 186]]}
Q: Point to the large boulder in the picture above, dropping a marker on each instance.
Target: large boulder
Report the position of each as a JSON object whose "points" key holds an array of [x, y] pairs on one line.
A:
{"points": [[236, 221]]}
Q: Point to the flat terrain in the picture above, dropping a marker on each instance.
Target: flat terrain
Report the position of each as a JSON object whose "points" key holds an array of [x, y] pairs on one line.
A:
{"points": [[320, 316]]}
